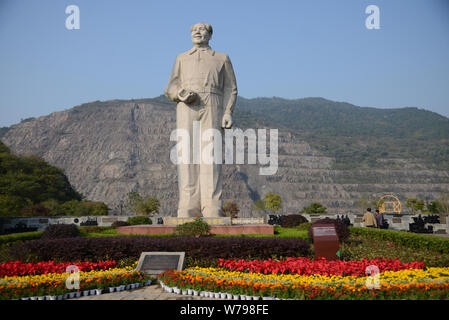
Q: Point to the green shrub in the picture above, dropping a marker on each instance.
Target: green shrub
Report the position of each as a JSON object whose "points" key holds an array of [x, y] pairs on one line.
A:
{"points": [[304, 226], [59, 231], [197, 228], [406, 239], [315, 207], [83, 208], [139, 220], [9, 238], [358, 247], [36, 210]]}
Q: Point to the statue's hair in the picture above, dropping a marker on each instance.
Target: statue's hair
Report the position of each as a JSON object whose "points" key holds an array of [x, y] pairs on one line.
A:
{"points": [[206, 25]]}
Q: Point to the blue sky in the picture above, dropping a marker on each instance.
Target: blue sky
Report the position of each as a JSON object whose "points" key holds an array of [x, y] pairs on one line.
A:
{"points": [[290, 49]]}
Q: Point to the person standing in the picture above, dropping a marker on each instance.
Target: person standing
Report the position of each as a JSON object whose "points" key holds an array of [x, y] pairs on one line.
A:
{"points": [[369, 220], [379, 219]]}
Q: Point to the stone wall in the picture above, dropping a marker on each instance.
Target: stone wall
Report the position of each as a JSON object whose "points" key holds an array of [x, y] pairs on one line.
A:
{"points": [[395, 222], [40, 223]]}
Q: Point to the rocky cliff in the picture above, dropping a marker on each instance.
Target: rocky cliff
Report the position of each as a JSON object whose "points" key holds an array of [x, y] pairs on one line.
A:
{"points": [[110, 148]]}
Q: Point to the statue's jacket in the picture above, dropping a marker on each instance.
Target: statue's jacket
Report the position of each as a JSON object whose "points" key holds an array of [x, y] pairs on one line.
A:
{"points": [[203, 70]]}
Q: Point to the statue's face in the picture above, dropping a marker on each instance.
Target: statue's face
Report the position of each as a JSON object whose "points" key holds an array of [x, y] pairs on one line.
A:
{"points": [[200, 35]]}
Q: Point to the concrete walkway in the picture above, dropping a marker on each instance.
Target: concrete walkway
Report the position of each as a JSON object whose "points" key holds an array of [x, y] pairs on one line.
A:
{"points": [[152, 292]]}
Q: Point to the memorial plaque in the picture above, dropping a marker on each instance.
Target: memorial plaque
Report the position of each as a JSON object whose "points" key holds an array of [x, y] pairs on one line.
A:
{"points": [[157, 262], [325, 241], [324, 231]]}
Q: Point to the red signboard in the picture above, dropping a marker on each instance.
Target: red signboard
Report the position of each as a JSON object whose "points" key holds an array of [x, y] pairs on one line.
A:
{"points": [[325, 241]]}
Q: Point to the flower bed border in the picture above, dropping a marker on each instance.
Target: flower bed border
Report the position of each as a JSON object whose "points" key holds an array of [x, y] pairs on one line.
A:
{"points": [[290, 291], [15, 288], [78, 294]]}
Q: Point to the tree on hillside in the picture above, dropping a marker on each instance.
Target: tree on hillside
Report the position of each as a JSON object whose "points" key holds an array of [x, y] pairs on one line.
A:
{"points": [[29, 181], [433, 207], [142, 206], [314, 207], [273, 202], [415, 205], [231, 209], [443, 201]]}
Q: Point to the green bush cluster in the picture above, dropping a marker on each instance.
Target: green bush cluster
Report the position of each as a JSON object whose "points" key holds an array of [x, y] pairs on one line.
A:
{"points": [[139, 220], [9, 238], [405, 239], [314, 208], [358, 247], [74, 208], [197, 228], [304, 226]]}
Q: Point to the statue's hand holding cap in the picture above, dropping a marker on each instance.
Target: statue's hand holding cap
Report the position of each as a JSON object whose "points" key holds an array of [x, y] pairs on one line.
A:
{"points": [[186, 96], [227, 121]]}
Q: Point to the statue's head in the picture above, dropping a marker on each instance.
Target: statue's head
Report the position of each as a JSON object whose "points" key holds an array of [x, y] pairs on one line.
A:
{"points": [[201, 33]]}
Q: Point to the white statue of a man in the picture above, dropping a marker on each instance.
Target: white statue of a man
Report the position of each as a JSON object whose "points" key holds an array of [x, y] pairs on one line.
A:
{"points": [[203, 84]]}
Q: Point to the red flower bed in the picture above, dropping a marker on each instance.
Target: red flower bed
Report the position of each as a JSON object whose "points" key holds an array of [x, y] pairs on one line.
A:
{"points": [[305, 266], [19, 268]]}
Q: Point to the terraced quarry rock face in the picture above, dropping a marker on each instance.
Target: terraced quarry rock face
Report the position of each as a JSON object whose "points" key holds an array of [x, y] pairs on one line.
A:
{"points": [[108, 149]]}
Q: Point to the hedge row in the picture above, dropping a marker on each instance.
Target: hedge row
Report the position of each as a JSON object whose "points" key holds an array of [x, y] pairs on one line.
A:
{"points": [[116, 248], [7, 238], [406, 239]]}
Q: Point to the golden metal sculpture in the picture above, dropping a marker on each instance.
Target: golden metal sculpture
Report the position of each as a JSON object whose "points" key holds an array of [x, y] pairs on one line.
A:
{"points": [[390, 204]]}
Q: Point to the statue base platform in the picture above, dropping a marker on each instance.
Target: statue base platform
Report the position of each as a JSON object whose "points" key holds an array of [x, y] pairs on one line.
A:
{"points": [[216, 229]]}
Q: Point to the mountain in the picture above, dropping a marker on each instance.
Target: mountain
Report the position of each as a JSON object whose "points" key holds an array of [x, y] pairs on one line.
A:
{"points": [[329, 152]]}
